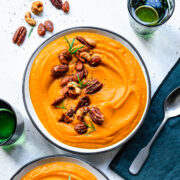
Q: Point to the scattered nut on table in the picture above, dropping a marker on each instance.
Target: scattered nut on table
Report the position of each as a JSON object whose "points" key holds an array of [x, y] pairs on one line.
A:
{"points": [[37, 7], [29, 19], [49, 25], [65, 7], [41, 29]]}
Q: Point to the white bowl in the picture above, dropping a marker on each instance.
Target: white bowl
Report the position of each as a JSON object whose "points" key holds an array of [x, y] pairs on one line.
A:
{"points": [[58, 158], [29, 106]]}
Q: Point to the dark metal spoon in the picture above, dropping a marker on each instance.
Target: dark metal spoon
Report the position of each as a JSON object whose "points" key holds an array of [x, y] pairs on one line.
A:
{"points": [[171, 109]]}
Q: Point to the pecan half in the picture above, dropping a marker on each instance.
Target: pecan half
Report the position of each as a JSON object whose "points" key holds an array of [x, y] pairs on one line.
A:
{"points": [[57, 3], [65, 7], [93, 87], [81, 112], [66, 80], [58, 100], [80, 128], [65, 56], [96, 115], [59, 71], [70, 112], [19, 35], [79, 66], [49, 25], [74, 90], [37, 7], [90, 43], [95, 61], [41, 29], [84, 101], [65, 118], [29, 19]]}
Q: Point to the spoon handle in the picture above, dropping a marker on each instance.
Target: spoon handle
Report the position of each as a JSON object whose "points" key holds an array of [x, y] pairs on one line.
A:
{"points": [[143, 154]]}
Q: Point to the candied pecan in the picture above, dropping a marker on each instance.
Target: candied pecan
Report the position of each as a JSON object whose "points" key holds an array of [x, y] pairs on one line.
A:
{"points": [[37, 7], [79, 74], [57, 3], [95, 61], [65, 118], [65, 90], [65, 7], [66, 80], [84, 49], [74, 90], [65, 56], [41, 29], [81, 128], [70, 112], [59, 71], [85, 72], [96, 115], [80, 58], [29, 19], [49, 25], [81, 112], [79, 66], [84, 101], [90, 43], [93, 87], [58, 100], [19, 35]]}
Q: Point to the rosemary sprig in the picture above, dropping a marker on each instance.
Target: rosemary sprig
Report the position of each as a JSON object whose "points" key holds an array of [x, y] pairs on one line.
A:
{"points": [[81, 83], [91, 127], [31, 30], [62, 106], [69, 177], [74, 50]]}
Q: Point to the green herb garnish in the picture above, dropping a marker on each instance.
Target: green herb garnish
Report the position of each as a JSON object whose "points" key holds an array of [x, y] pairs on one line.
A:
{"points": [[71, 49], [31, 30], [62, 106], [69, 177], [91, 127], [81, 83]]}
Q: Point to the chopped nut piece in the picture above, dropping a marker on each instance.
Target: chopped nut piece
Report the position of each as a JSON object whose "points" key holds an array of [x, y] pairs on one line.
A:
{"points": [[65, 118], [84, 101], [66, 80], [37, 7], [93, 87], [19, 35], [59, 71], [79, 66], [81, 128], [29, 19], [65, 7], [96, 115], [41, 29], [95, 61], [58, 100], [49, 25]]}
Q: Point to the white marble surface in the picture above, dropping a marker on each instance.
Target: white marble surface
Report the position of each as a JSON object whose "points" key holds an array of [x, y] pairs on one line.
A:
{"points": [[159, 53]]}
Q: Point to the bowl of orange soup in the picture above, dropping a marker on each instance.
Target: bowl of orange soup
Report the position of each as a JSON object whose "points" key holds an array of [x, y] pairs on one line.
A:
{"points": [[59, 167], [86, 90]]}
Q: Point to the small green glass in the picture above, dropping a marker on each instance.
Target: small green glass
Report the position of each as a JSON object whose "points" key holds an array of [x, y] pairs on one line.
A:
{"points": [[11, 124], [146, 16]]}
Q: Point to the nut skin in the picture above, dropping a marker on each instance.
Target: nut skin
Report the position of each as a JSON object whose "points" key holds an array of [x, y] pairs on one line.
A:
{"points": [[58, 100], [29, 20], [19, 35], [37, 7], [57, 3], [96, 115], [90, 43], [84, 101], [80, 128], [66, 80], [49, 25], [93, 87], [59, 71], [41, 29], [95, 61], [65, 56], [65, 7], [65, 118], [79, 66]]}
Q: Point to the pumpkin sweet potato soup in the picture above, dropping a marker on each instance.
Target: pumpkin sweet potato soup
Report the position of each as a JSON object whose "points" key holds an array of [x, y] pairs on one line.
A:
{"points": [[88, 90], [59, 170]]}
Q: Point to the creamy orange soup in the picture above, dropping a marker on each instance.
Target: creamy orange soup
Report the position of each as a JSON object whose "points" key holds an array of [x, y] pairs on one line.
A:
{"points": [[59, 171], [122, 99]]}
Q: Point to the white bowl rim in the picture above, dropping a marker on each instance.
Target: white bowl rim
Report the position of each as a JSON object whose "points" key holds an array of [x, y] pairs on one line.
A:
{"points": [[55, 156], [84, 150]]}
